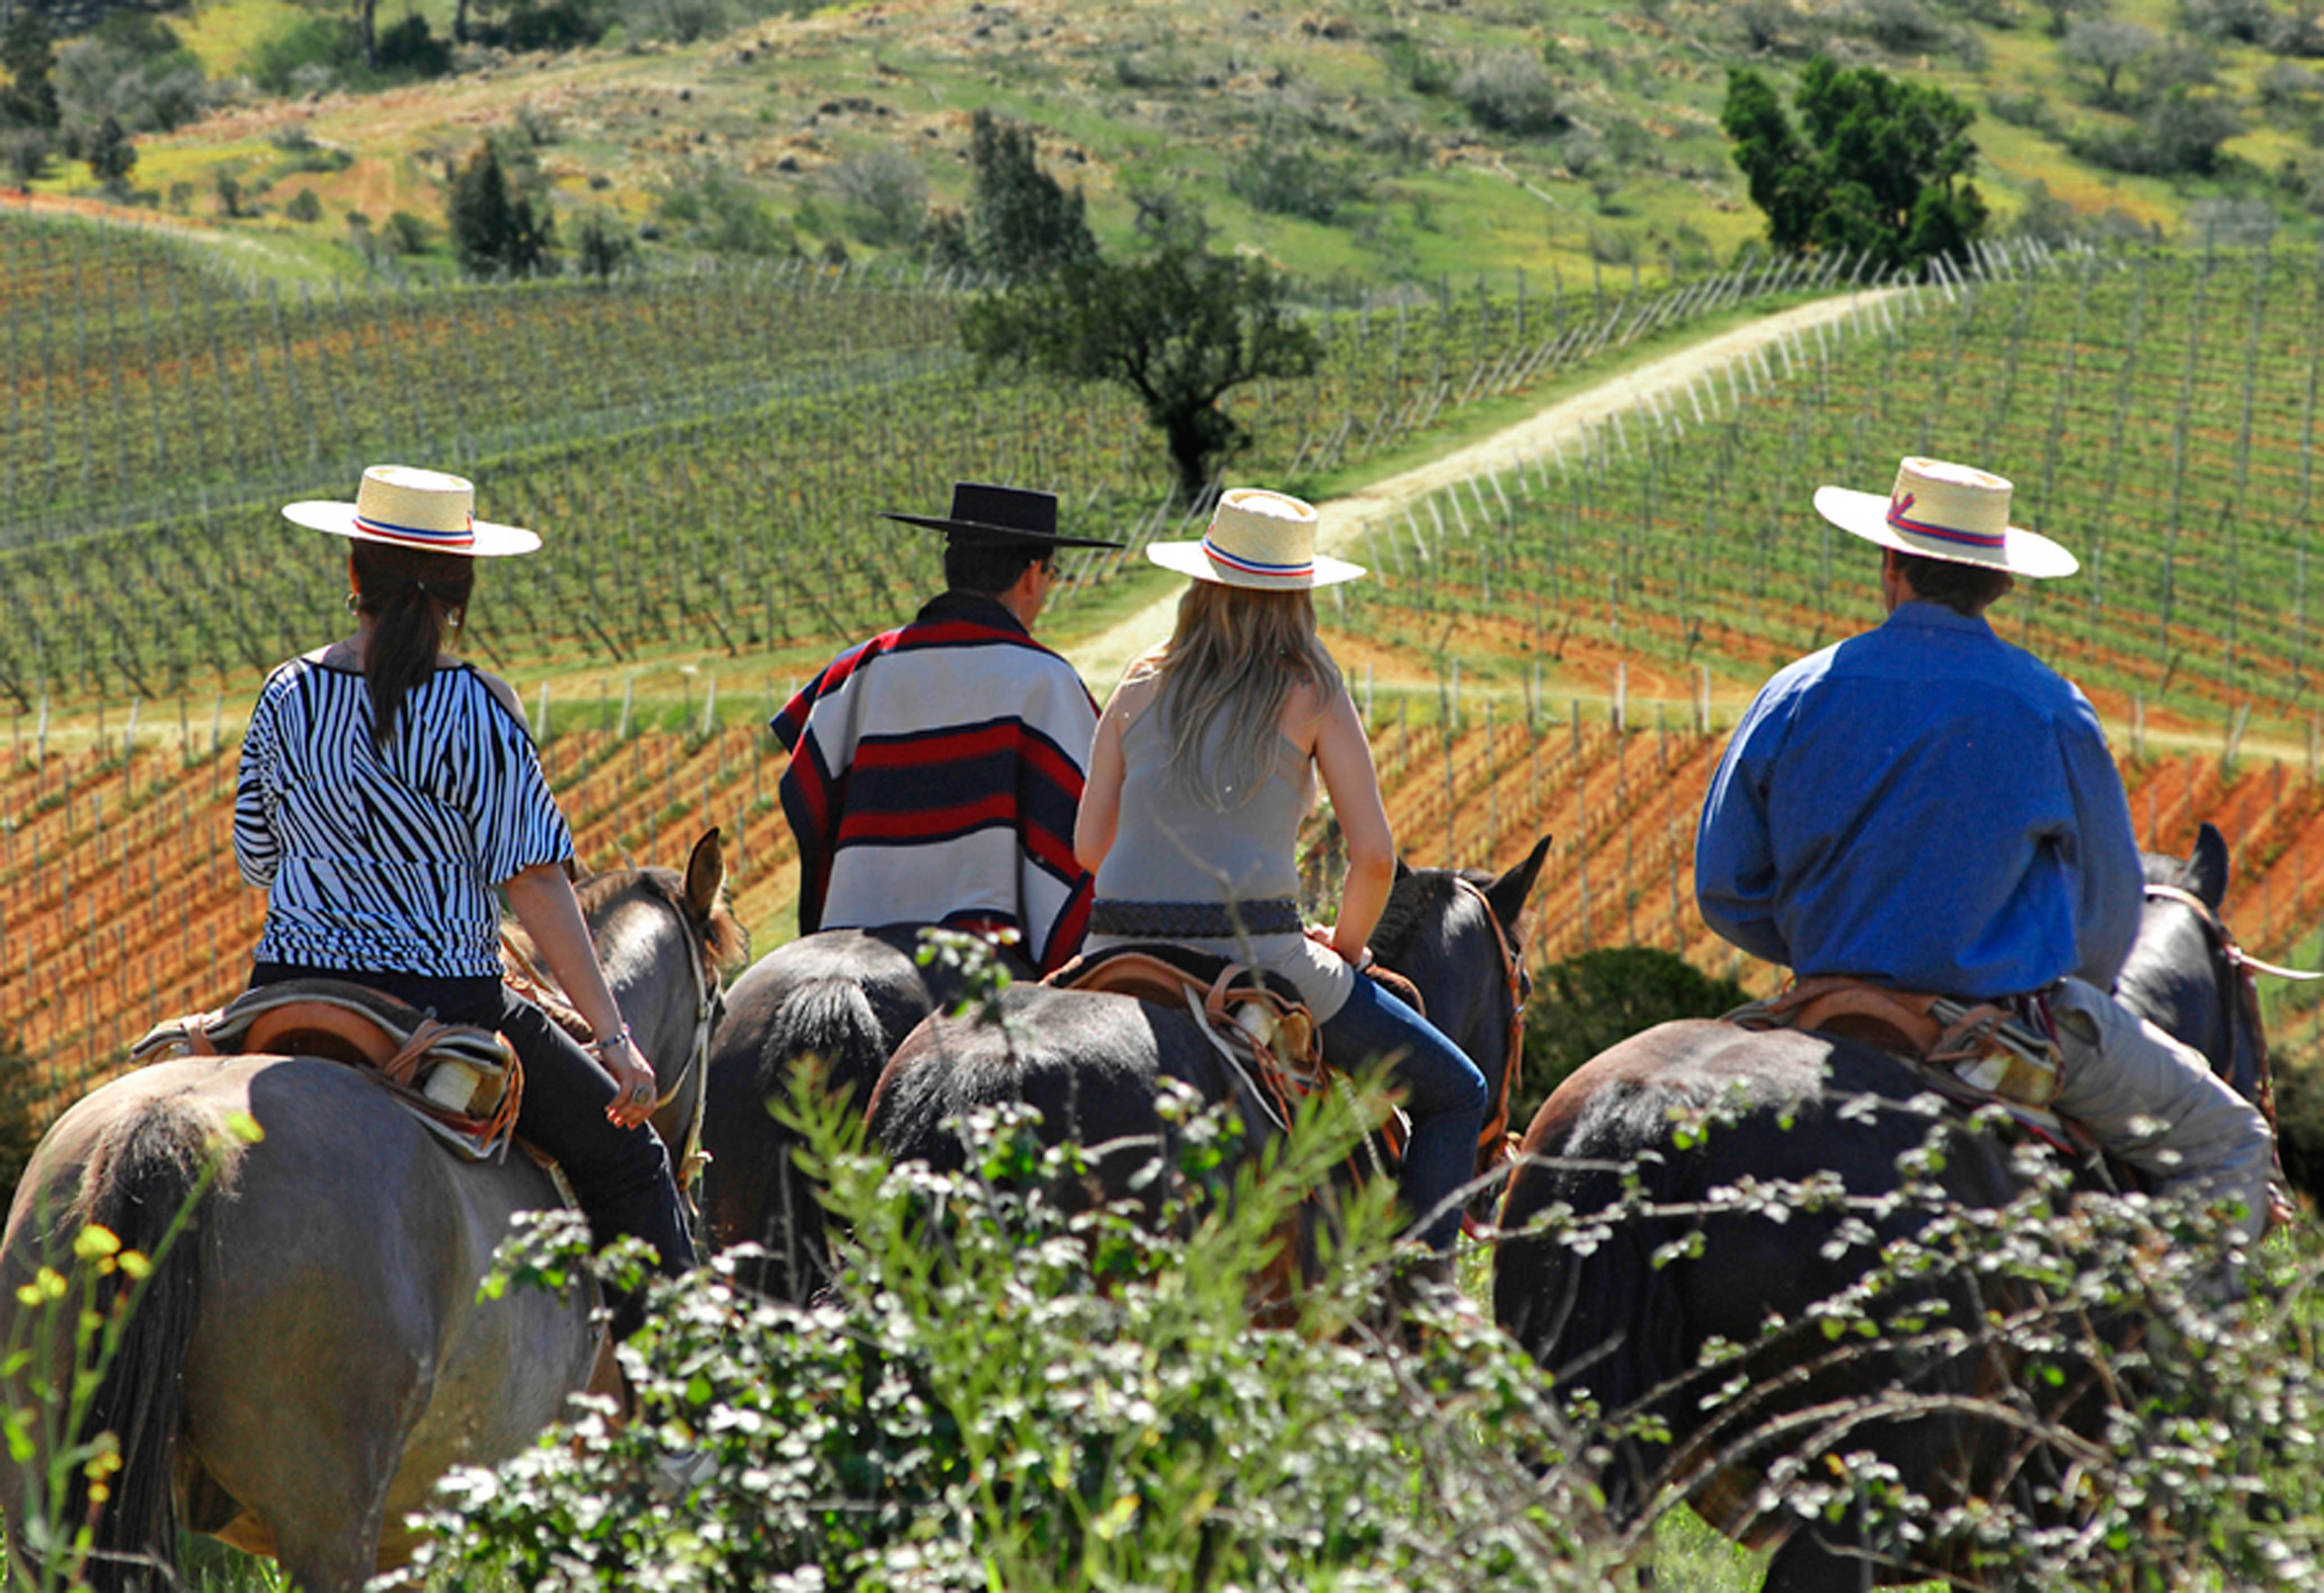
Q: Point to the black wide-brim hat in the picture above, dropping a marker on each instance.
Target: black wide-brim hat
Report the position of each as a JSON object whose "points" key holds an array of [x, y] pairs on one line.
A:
{"points": [[1003, 517]]}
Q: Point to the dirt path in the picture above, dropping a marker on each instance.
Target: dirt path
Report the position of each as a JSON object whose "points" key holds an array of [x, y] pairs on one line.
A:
{"points": [[1102, 657]]}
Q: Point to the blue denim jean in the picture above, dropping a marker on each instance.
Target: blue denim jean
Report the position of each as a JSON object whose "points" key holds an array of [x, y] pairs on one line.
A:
{"points": [[1443, 1092]]}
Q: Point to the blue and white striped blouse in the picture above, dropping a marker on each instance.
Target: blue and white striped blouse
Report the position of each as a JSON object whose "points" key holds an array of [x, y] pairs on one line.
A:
{"points": [[385, 863]]}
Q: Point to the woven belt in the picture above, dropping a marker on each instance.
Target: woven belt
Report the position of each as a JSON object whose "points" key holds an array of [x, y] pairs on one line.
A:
{"points": [[1195, 920]]}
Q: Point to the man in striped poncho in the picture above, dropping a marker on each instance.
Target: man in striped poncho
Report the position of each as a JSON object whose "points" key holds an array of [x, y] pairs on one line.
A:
{"points": [[937, 769]]}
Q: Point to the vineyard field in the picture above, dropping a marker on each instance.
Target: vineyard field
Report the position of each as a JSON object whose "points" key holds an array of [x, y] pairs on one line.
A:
{"points": [[704, 452], [120, 903], [2157, 413]]}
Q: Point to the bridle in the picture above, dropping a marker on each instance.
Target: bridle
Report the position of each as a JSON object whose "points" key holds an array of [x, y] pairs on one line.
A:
{"points": [[1493, 1147], [2241, 969], [709, 1007]]}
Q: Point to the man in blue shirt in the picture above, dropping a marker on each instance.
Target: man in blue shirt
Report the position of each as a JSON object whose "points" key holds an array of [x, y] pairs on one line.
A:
{"points": [[1927, 807]]}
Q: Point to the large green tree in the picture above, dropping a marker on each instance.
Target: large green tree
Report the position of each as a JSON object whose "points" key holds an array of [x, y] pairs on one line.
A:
{"points": [[1874, 163], [1180, 328]]}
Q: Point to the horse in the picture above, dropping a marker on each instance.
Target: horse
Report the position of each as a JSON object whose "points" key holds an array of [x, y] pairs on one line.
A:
{"points": [[668, 938], [1627, 1318], [1095, 1065], [312, 1354], [844, 996]]}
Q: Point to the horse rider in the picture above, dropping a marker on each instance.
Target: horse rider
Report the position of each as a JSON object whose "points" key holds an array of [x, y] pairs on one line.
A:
{"points": [[936, 769], [1206, 760], [1929, 808], [386, 787]]}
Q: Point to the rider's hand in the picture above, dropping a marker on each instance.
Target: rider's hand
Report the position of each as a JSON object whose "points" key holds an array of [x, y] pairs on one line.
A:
{"points": [[1321, 934], [633, 1083]]}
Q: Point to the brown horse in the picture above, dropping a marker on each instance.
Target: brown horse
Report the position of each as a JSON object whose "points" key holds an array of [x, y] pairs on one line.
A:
{"points": [[313, 1353]]}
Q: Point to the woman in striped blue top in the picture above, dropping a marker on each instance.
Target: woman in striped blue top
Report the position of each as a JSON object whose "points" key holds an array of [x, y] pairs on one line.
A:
{"points": [[386, 787]]}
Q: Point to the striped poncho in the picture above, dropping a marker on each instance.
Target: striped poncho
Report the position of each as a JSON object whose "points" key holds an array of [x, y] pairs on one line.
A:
{"points": [[935, 770]]}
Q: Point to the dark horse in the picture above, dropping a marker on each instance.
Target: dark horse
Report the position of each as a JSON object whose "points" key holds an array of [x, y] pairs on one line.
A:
{"points": [[1093, 1064], [844, 998], [1627, 1319], [313, 1353]]}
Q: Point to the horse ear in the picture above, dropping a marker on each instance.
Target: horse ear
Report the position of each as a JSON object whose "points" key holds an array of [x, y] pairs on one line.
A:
{"points": [[1403, 869], [2207, 866], [1507, 894], [705, 874]]}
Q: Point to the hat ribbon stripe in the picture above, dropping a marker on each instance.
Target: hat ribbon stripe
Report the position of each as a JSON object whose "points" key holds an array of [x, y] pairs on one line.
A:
{"points": [[1252, 566], [1901, 521], [459, 538]]}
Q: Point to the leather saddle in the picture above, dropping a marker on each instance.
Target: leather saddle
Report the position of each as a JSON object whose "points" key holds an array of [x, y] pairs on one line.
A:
{"points": [[463, 1083], [1974, 1054], [1256, 1020]]}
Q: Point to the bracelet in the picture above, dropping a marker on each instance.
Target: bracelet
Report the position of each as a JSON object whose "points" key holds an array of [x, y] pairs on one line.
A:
{"points": [[619, 1037]]}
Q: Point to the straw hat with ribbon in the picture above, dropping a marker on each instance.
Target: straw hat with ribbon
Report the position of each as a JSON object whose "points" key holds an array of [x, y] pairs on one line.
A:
{"points": [[1951, 511], [1257, 538], [424, 509]]}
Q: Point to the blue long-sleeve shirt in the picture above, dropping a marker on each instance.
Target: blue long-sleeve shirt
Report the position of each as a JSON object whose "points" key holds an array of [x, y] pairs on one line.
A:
{"points": [[1925, 805]]}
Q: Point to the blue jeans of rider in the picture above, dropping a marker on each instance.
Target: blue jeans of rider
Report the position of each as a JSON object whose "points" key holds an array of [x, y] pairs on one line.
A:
{"points": [[1443, 1092]]}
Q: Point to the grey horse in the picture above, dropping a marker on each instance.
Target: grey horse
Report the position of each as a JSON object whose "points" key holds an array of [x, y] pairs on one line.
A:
{"points": [[313, 1353]]}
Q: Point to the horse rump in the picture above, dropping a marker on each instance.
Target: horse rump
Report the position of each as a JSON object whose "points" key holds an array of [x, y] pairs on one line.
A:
{"points": [[146, 1170], [1597, 1313]]}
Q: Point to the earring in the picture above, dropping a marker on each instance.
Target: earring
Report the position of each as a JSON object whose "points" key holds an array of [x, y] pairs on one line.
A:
{"points": [[351, 603]]}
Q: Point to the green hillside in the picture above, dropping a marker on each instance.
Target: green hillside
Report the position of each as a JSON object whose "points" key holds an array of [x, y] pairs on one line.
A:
{"points": [[1371, 141]]}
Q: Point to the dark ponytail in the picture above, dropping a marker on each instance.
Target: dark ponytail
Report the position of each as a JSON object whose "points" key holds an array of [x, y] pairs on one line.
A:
{"points": [[413, 598]]}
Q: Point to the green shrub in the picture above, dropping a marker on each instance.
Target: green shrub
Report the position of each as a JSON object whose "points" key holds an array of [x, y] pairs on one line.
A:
{"points": [[2300, 1126], [1417, 69], [2179, 135], [714, 209], [304, 207], [886, 195], [1002, 1393], [1510, 91], [1285, 179], [311, 44], [408, 49], [1583, 1005]]}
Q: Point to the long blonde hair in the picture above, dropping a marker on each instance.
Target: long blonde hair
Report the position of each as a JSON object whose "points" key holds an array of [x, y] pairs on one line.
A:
{"points": [[1236, 652]]}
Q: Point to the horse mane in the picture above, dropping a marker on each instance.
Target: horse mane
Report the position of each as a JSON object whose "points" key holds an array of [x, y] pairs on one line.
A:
{"points": [[1413, 902]]}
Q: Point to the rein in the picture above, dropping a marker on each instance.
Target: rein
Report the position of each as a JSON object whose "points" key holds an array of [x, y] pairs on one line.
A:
{"points": [[1493, 1147], [534, 982], [2218, 929], [2245, 970]]}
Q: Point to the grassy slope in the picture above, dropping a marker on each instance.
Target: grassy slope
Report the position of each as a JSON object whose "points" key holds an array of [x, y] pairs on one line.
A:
{"points": [[1208, 76]]}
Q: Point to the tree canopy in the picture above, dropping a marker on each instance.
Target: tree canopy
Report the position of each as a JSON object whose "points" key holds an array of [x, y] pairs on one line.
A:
{"points": [[1022, 223], [1180, 328], [496, 231], [1874, 163], [28, 51]]}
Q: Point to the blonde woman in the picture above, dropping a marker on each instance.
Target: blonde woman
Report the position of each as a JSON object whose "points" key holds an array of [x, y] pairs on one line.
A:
{"points": [[1204, 763]]}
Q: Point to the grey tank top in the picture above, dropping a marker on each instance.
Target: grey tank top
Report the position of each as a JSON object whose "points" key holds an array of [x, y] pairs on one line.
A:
{"points": [[1172, 847]]}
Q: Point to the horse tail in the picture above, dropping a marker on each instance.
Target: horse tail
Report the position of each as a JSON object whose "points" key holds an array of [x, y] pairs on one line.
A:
{"points": [[831, 1019], [146, 1171], [1609, 1320]]}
